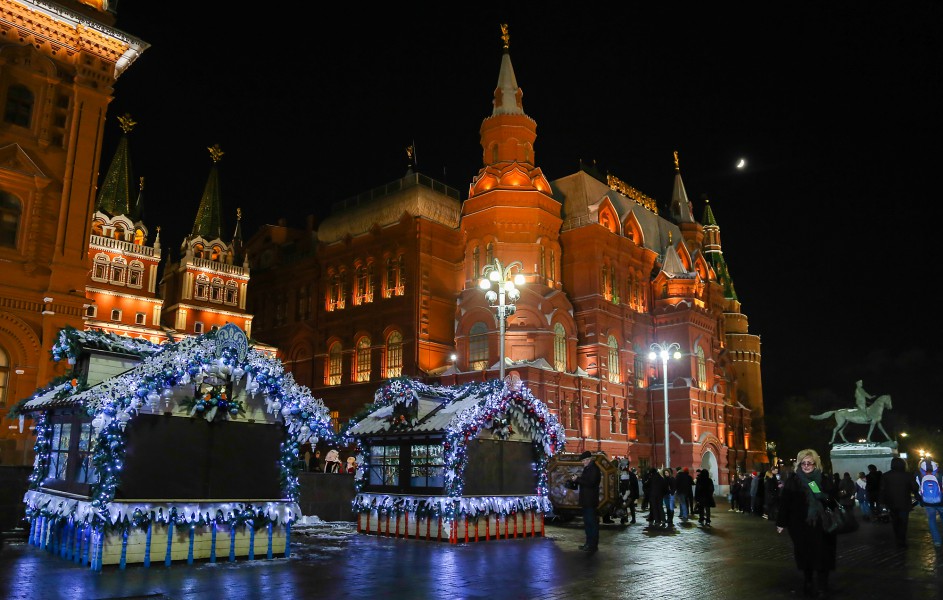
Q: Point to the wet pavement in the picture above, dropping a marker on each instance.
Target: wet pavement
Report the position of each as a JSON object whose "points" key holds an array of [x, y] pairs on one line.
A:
{"points": [[741, 557]]}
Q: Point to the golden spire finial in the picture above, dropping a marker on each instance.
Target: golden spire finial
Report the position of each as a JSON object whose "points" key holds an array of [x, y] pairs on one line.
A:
{"points": [[677, 168], [238, 214], [158, 230], [126, 122], [505, 37], [215, 153], [141, 184]]}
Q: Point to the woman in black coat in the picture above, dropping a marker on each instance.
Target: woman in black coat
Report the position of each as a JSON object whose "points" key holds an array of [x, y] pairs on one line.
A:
{"points": [[800, 511], [704, 496]]}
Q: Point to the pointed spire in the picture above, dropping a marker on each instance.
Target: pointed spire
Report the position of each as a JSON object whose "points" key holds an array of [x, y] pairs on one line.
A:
{"points": [[237, 235], [507, 95], [114, 197], [673, 264], [680, 205], [708, 218], [138, 211], [715, 254], [157, 239], [209, 222]]}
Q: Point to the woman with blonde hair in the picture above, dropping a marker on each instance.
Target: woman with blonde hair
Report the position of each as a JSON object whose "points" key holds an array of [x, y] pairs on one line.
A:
{"points": [[800, 511]]}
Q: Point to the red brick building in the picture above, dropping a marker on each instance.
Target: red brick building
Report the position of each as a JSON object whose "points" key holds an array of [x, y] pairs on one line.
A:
{"points": [[387, 286]]}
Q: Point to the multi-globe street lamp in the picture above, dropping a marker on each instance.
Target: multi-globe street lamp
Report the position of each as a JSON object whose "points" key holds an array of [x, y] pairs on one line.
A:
{"points": [[498, 277], [665, 351]]}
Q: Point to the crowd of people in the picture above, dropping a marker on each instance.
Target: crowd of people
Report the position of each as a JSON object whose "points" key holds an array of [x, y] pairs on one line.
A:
{"points": [[796, 497]]}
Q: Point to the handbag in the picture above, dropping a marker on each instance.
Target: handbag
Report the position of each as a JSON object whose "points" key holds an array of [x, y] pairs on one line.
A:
{"points": [[837, 519]]}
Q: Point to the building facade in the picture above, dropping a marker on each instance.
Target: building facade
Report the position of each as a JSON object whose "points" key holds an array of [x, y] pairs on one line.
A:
{"points": [[387, 286], [58, 66]]}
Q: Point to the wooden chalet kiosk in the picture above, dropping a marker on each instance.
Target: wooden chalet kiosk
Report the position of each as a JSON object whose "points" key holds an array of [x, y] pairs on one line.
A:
{"points": [[459, 464], [170, 452]]}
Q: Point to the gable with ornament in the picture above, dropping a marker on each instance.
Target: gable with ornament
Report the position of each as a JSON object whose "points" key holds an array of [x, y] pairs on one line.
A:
{"points": [[447, 462], [188, 454]]}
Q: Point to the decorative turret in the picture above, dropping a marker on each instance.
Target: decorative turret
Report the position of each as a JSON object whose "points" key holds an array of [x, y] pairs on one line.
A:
{"points": [[714, 253], [209, 223], [681, 211], [114, 196]]}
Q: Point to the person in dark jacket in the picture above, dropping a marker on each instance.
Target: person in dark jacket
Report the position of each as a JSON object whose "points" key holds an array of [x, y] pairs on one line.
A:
{"points": [[800, 511], [669, 498], [745, 486], [588, 482], [657, 488], [873, 489], [704, 496], [897, 491], [629, 493], [735, 485], [847, 491], [684, 494]]}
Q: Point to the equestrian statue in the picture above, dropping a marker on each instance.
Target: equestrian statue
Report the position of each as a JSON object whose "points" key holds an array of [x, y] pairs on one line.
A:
{"points": [[862, 416]]}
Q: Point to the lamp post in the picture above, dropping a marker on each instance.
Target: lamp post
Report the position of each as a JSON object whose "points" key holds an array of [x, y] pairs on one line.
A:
{"points": [[665, 351], [498, 277]]}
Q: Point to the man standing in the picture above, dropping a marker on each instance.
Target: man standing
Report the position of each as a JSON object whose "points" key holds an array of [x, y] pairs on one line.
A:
{"points": [[896, 490], [872, 486], [588, 483], [684, 484]]}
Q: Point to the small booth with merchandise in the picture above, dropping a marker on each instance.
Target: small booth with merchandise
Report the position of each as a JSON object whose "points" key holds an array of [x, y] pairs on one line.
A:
{"points": [[171, 452], [458, 464]]}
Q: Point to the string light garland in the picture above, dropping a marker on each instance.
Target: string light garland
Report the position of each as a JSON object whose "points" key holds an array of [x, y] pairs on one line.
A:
{"points": [[215, 371]]}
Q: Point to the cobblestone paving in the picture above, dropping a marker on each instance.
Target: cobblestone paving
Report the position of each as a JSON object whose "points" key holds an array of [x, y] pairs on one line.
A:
{"points": [[740, 558]]}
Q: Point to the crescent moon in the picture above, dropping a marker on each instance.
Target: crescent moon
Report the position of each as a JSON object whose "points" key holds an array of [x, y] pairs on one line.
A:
{"points": [[742, 163]]}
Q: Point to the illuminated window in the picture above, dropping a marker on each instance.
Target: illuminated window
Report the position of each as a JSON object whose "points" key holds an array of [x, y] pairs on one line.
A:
{"points": [[335, 298], [614, 374], [4, 375], [216, 290], [59, 451], [426, 465], [102, 268], [232, 293], [136, 274], [86, 466], [202, 287], [335, 420], [383, 468], [559, 347], [363, 292], [478, 346], [395, 281], [394, 355], [10, 210], [19, 108], [639, 368], [362, 358], [606, 282], [334, 365], [118, 268], [139, 237], [701, 368]]}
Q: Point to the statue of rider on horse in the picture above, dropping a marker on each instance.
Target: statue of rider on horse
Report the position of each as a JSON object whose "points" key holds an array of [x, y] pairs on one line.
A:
{"points": [[862, 414]]}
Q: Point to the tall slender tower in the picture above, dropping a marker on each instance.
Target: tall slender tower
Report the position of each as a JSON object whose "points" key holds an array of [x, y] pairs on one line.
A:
{"points": [[207, 287]]}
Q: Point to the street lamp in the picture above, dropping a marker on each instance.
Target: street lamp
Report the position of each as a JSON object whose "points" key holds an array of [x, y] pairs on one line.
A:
{"points": [[664, 351], [499, 277]]}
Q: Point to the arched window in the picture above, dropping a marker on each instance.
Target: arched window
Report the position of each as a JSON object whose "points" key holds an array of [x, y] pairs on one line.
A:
{"points": [[102, 268], [612, 420], [118, 268], [362, 360], [394, 278], [4, 375], [334, 365], [572, 415], [543, 262], [489, 254], [701, 368], [394, 355], [136, 274], [19, 109], [476, 262], [216, 290], [10, 210], [614, 360], [638, 366], [553, 266], [202, 287], [622, 422], [606, 282], [232, 293], [559, 348], [478, 346], [139, 237]]}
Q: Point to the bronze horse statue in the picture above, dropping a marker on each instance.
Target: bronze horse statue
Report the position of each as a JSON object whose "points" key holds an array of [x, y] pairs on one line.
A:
{"points": [[873, 415]]}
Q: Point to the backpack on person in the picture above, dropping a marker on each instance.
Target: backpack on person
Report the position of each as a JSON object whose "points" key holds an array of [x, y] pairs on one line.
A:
{"points": [[928, 479]]}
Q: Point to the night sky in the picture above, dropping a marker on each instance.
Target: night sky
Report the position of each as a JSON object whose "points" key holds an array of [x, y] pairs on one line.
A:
{"points": [[836, 107]]}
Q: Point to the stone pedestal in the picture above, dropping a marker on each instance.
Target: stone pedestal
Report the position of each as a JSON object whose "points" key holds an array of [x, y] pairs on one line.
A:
{"points": [[855, 458]]}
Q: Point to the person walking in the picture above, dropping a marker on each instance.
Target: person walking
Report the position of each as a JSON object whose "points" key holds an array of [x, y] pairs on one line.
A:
{"points": [[735, 485], [847, 491], [704, 496], [684, 493], [770, 493], [630, 494], [927, 492], [800, 512], [897, 490], [861, 494], [588, 484]]}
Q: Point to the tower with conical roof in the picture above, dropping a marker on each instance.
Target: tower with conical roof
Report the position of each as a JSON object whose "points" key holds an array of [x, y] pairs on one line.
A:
{"points": [[206, 288], [122, 283]]}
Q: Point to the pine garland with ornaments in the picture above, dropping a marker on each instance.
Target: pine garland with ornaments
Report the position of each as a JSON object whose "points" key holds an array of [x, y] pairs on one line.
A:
{"points": [[213, 368]]}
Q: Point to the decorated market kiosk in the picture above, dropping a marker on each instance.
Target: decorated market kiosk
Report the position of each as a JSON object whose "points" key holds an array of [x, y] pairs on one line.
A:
{"points": [[464, 463], [168, 452]]}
